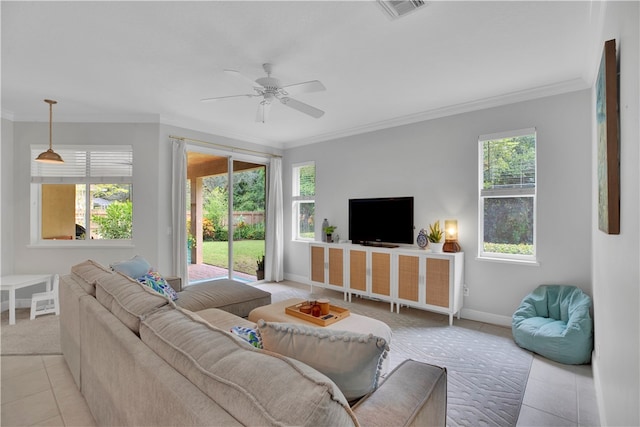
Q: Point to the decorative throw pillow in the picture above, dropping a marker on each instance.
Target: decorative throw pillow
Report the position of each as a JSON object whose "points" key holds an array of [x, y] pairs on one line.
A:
{"points": [[352, 360], [250, 335], [158, 283], [134, 268]]}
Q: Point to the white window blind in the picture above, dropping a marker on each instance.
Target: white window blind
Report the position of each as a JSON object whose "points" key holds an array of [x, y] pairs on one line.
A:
{"points": [[88, 164]]}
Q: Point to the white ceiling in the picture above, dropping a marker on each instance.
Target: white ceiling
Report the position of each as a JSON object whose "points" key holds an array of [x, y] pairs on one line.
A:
{"points": [[154, 61]]}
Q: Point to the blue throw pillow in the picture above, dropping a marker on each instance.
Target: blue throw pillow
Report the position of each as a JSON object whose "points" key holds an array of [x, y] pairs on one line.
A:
{"points": [[252, 336], [134, 268], [158, 283]]}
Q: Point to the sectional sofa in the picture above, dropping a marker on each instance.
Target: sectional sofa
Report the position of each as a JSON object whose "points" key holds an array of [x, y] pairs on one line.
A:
{"points": [[140, 359]]}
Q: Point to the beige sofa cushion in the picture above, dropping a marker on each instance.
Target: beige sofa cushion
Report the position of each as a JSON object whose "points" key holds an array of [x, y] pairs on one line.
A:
{"points": [[228, 295], [414, 394], [127, 299], [272, 390], [86, 273], [351, 359], [222, 319]]}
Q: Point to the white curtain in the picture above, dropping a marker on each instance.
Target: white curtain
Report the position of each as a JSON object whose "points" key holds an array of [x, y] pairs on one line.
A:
{"points": [[179, 211], [274, 264]]}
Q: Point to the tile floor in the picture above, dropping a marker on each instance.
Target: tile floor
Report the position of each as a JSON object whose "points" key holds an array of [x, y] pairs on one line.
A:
{"points": [[559, 395], [39, 391]]}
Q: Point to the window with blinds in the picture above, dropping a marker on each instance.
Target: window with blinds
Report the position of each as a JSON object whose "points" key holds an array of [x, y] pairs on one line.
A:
{"points": [[90, 164], [303, 197], [507, 202], [88, 197]]}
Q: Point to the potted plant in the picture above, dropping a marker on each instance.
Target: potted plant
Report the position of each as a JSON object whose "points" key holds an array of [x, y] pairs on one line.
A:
{"points": [[328, 230], [435, 236], [260, 268], [191, 244]]}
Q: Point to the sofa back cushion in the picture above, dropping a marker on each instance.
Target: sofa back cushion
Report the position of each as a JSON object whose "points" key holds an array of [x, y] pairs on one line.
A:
{"points": [[254, 386], [351, 359], [128, 299], [87, 273]]}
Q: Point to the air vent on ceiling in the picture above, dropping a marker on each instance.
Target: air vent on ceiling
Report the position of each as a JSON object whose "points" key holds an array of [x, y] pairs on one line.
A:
{"points": [[400, 8]]}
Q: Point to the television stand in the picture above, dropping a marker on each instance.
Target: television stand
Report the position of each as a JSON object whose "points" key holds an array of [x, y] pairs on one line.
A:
{"points": [[380, 245]]}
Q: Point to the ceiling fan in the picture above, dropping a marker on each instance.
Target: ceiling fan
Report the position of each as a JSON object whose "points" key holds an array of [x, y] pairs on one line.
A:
{"points": [[270, 88]]}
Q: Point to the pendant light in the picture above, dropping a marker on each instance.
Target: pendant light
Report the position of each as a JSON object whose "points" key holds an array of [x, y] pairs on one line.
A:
{"points": [[50, 156]]}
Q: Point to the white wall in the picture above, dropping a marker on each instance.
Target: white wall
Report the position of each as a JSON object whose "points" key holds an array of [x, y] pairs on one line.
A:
{"points": [[436, 162], [146, 192], [6, 199], [616, 259], [151, 192]]}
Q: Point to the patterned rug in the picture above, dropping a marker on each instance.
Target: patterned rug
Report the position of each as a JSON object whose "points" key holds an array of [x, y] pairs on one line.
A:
{"points": [[487, 371]]}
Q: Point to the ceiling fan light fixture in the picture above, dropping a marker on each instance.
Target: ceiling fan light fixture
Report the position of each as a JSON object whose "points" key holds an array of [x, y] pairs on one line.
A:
{"points": [[270, 88], [50, 156]]}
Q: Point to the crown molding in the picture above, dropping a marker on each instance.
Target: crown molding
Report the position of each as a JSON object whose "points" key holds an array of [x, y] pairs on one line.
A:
{"points": [[199, 126], [495, 101], [142, 118], [482, 104], [89, 118]]}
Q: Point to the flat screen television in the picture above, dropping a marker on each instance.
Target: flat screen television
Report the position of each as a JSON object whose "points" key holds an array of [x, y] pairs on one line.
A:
{"points": [[381, 220]]}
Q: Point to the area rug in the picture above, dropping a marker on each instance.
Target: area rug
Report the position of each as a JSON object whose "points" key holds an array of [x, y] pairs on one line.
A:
{"points": [[27, 337], [487, 371]]}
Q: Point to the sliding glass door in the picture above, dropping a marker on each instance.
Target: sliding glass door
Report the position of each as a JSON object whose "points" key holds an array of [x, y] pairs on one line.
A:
{"points": [[225, 216]]}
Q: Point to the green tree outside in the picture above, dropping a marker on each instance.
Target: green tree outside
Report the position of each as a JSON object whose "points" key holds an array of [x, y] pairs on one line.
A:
{"points": [[509, 164], [307, 210], [117, 223]]}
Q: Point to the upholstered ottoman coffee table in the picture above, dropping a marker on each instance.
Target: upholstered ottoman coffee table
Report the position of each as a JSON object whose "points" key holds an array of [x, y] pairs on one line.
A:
{"points": [[354, 322]]}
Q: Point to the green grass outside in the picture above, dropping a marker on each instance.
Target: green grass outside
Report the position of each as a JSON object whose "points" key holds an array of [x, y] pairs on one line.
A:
{"points": [[245, 255]]}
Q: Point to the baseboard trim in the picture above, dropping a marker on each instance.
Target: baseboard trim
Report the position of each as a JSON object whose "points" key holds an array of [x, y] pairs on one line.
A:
{"points": [[481, 316], [20, 303], [297, 278]]}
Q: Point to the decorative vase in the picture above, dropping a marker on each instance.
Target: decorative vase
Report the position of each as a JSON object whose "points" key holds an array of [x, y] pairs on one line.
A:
{"points": [[260, 274], [436, 247], [325, 224]]}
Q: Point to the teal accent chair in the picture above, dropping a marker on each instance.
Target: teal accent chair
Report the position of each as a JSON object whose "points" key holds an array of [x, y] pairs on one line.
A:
{"points": [[554, 321]]}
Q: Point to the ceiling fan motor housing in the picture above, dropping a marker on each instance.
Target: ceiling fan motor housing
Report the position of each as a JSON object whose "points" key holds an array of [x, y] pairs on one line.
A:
{"points": [[270, 84], [270, 88]]}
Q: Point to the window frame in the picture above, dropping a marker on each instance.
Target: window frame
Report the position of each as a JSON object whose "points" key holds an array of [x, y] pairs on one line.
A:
{"points": [[36, 182], [297, 200], [506, 193]]}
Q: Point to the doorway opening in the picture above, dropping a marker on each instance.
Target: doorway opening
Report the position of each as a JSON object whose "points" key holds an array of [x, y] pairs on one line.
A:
{"points": [[226, 200]]}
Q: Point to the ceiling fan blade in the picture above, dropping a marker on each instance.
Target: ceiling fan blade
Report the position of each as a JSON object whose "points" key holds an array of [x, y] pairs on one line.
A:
{"points": [[218, 98], [242, 77], [305, 87], [302, 107], [263, 112]]}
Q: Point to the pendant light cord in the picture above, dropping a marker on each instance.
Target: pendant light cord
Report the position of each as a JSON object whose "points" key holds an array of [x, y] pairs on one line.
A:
{"points": [[50, 126], [50, 102]]}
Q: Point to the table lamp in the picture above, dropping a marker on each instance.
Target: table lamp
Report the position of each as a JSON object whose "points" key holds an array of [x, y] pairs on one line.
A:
{"points": [[451, 236]]}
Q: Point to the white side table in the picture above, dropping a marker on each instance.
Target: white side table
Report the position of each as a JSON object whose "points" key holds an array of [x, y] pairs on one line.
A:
{"points": [[17, 281]]}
